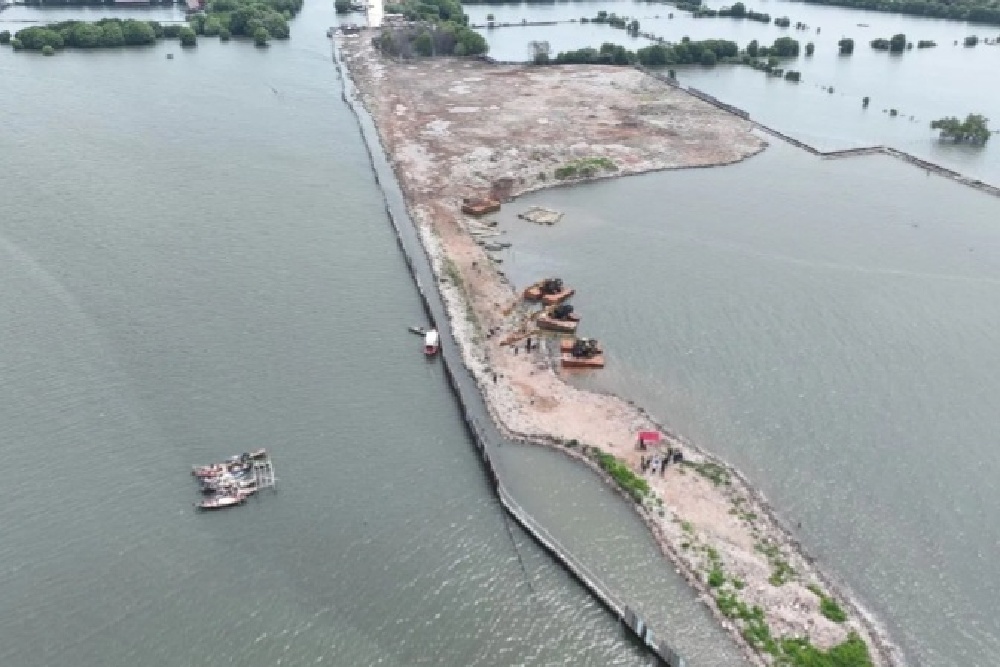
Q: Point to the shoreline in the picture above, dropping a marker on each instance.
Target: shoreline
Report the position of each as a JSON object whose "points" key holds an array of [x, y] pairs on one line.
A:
{"points": [[697, 538]]}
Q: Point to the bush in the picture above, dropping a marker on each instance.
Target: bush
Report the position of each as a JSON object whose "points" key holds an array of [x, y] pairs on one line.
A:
{"points": [[5, 37], [829, 608], [810, 48], [793, 76], [972, 40], [261, 36], [846, 46], [224, 34], [708, 58], [48, 50], [187, 36], [628, 481], [16, 44]]}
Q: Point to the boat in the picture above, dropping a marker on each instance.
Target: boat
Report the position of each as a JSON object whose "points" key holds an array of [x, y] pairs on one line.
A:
{"points": [[420, 331], [222, 502], [432, 343], [549, 291], [569, 361], [567, 325], [566, 344], [231, 465], [581, 353]]}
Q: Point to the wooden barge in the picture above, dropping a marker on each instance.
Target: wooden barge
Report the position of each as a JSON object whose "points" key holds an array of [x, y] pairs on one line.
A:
{"points": [[569, 361], [567, 325]]}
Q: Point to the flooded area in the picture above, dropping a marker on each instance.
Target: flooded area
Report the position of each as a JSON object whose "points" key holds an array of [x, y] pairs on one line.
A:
{"points": [[923, 83]]}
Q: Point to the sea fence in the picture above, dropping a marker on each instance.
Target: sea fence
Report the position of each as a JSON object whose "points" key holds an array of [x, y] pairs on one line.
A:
{"points": [[484, 433]]}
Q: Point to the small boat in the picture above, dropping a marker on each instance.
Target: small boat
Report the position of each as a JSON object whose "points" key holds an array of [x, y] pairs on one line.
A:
{"points": [[222, 502], [241, 461], [420, 331], [432, 343]]}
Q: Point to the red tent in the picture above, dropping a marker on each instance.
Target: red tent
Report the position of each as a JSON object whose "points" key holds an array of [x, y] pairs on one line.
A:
{"points": [[650, 437]]}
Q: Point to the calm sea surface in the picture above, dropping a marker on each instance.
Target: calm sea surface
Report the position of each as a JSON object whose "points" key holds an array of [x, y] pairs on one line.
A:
{"points": [[195, 261], [831, 328], [923, 84]]}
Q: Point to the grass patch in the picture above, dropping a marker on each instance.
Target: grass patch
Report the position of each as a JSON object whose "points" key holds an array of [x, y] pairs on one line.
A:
{"points": [[453, 274], [739, 584], [585, 168], [781, 572], [829, 608], [635, 486], [716, 577], [711, 471], [852, 652]]}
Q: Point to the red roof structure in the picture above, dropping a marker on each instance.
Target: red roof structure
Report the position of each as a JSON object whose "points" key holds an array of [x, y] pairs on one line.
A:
{"points": [[650, 437]]}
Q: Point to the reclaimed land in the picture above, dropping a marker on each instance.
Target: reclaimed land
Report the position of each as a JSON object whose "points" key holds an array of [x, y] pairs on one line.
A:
{"points": [[456, 128]]}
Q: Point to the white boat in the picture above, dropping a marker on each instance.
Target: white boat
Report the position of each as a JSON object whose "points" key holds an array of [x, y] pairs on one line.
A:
{"points": [[432, 343]]}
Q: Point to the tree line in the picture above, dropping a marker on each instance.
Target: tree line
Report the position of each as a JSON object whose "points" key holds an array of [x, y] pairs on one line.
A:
{"points": [[257, 19], [974, 11]]}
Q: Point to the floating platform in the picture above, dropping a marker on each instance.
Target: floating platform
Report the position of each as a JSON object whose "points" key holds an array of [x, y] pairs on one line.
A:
{"points": [[568, 325], [478, 207], [534, 293], [569, 361]]}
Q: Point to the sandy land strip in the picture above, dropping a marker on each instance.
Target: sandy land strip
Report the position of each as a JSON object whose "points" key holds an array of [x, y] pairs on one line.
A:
{"points": [[455, 128]]}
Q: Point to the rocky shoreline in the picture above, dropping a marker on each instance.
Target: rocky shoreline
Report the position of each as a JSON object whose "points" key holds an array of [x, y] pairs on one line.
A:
{"points": [[453, 129]]}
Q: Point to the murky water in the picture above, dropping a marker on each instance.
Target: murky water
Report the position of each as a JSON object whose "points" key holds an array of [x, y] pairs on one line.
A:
{"points": [[196, 261], [829, 327]]}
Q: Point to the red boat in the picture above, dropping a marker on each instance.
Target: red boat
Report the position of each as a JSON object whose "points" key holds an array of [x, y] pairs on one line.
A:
{"points": [[432, 343]]}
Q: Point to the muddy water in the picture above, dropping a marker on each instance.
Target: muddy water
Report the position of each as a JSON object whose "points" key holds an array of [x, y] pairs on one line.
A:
{"points": [[830, 327]]}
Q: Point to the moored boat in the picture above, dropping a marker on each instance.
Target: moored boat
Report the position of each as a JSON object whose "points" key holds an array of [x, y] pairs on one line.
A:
{"points": [[569, 361], [549, 291], [568, 325], [222, 502], [432, 343]]}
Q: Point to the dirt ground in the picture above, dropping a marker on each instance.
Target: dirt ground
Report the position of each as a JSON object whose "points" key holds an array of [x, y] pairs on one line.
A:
{"points": [[455, 128]]}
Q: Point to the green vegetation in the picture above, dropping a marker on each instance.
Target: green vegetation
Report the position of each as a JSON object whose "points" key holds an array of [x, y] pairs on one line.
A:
{"points": [[714, 472], [810, 48], [792, 75], [852, 652], [974, 129], [655, 55], [48, 50], [782, 22], [846, 46], [971, 40], [829, 608], [926, 44], [975, 11], [442, 21], [635, 486], [895, 45], [5, 37], [585, 168], [187, 37], [224, 18]]}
